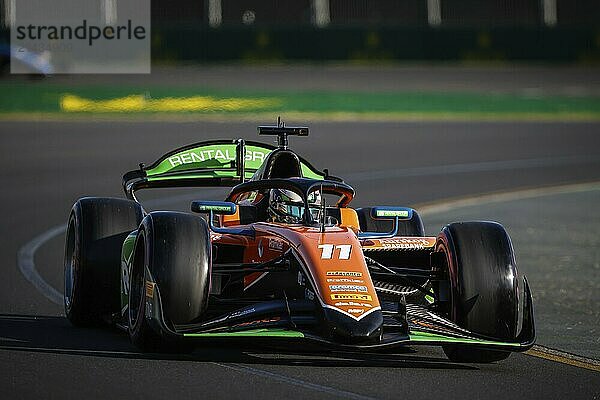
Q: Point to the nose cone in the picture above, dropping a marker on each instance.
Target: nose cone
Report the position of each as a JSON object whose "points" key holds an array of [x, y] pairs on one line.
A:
{"points": [[346, 329]]}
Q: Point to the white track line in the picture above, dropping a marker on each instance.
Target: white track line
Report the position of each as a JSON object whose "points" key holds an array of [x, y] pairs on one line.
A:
{"points": [[26, 254], [503, 165], [438, 207], [26, 263]]}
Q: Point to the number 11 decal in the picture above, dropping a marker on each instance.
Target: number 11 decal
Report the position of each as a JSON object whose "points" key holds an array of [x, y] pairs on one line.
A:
{"points": [[327, 251]]}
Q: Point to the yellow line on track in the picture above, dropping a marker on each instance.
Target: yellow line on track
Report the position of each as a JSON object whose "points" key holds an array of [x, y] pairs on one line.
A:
{"points": [[564, 358]]}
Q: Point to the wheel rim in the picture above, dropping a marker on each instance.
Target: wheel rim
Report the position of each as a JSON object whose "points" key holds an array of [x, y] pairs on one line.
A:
{"points": [[443, 247], [136, 286], [69, 267]]}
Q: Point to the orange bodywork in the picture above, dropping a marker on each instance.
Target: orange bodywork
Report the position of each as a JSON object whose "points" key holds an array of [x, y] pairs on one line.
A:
{"points": [[349, 218], [333, 259]]}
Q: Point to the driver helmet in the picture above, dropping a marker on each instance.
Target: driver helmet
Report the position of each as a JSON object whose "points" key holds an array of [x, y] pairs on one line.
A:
{"points": [[286, 206]]}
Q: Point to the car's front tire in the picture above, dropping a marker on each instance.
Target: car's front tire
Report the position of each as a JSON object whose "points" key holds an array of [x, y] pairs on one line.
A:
{"points": [[96, 230], [484, 290], [173, 249]]}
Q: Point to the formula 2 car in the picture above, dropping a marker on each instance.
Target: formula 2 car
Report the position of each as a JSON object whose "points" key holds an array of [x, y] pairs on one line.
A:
{"points": [[285, 258]]}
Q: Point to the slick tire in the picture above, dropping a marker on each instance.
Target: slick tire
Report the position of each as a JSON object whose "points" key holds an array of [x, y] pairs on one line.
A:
{"points": [[410, 227], [173, 249], [484, 286], [96, 230]]}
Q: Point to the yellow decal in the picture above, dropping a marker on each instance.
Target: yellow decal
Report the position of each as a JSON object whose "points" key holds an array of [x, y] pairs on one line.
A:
{"points": [[150, 289], [351, 296]]}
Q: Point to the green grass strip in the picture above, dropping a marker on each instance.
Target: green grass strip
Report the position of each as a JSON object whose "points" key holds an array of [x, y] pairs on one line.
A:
{"points": [[44, 98]]}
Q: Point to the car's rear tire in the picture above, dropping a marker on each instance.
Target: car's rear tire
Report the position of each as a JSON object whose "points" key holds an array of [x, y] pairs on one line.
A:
{"points": [[174, 248], [484, 289], [408, 227], [96, 230]]}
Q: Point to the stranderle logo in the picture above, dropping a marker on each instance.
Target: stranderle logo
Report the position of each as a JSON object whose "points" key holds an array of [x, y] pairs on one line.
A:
{"points": [[85, 31], [79, 36]]}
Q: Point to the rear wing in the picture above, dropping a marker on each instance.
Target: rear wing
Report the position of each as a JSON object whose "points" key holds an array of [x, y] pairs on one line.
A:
{"points": [[206, 164]]}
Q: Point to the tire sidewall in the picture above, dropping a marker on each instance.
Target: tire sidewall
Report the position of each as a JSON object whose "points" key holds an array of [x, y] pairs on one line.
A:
{"points": [[94, 229], [462, 278], [139, 330], [156, 267], [76, 278]]}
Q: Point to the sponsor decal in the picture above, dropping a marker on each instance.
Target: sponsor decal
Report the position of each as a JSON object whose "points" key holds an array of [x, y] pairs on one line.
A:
{"points": [[344, 280], [353, 304], [214, 208], [344, 273], [150, 289], [198, 156], [356, 310], [309, 295], [347, 288], [405, 243], [351, 296], [392, 213], [275, 244], [257, 322], [148, 310], [243, 312]]}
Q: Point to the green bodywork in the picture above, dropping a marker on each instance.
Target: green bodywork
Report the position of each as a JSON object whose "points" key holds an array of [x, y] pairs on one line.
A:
{"points": [[427, 338], [415, 337], [208, 161], [204, 161], [212, 160]]}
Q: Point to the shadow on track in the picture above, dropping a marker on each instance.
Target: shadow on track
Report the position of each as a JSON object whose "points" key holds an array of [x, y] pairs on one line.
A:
{"points": [[55, 335]]}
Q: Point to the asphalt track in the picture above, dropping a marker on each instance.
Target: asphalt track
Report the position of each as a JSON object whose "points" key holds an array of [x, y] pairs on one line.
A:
{"points": [[530, 80], [556, 236], [45, 167]]}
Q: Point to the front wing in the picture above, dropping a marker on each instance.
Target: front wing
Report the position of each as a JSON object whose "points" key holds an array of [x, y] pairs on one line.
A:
{"points": [[279, 320]]}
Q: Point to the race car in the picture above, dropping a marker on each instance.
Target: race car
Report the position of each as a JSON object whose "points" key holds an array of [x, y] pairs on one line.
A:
{"points": [[285, 259]]}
